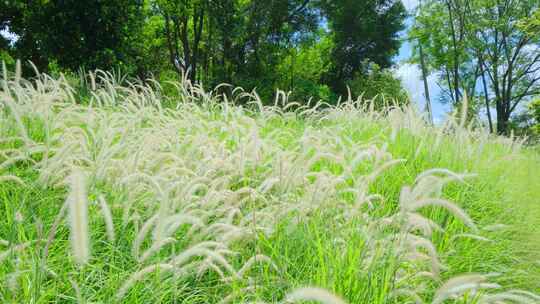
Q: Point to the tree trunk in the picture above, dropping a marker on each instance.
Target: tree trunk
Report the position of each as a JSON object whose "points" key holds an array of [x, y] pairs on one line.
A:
{"points": [[456, 53], [426, 87], [502, 124], [198, 23], [486, 96], [171, 42]]}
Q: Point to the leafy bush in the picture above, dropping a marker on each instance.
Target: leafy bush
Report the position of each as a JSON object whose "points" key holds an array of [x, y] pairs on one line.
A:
{"points": [[534, 109], [7, 60], [380, 86]]}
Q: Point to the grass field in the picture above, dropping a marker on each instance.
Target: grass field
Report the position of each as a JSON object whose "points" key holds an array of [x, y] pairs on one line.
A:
{"points": [[123, 199]]}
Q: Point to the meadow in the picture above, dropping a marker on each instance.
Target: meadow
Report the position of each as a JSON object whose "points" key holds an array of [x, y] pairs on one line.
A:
{"points": [[133, 196]]}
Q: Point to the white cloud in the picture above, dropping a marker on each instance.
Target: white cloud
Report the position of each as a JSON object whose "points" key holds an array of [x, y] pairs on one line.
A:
{"points": [[12, 37], [410, 4], [411, 78]]}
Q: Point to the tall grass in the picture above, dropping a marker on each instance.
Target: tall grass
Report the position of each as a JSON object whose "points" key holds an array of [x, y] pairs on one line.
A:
{"points": [[77, 201], [225, 198]]}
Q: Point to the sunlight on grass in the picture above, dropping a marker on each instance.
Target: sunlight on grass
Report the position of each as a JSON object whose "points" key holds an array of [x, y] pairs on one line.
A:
{"points": [[121, 198]]}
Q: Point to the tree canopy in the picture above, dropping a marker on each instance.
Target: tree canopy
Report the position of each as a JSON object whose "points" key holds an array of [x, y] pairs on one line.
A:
{"points": [[93, 34], [487, 49], [363, 31], [311, 47]]}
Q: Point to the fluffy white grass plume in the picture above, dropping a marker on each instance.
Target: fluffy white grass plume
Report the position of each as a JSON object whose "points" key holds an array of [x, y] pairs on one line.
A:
{"points": [[14, 249], [313, 294], [11, 178], [107, 216], [301, 295], [9, 102], [164, 267], [141, 235], [460, 285], [77, 202], [78, 293], [257, 258], [11, 160], [182, 266], [453, 208], [14, 159], [156, 246], [478, 286], [224, 178], [426, 192], [510, 296]]}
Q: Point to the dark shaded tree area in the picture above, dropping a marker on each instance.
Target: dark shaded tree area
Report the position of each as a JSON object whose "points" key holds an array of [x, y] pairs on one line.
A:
{"points": [[93, 34], [363, 31], [311, 47]]}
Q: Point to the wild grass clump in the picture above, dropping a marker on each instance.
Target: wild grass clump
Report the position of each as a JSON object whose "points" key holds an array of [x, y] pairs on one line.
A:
{"points": [[226, 199]]}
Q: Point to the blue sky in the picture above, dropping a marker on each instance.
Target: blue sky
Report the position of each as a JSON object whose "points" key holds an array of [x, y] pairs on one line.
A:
{"points": [[411, 76]]}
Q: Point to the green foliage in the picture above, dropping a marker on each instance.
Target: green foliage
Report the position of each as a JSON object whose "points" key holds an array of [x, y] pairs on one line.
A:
{"points": [[363, 30], [303, 68], [531, 24], [311, 48], [91, 34], [534, 109], [442, 35], [484, 49], [6, 58], [148, 52], [379, 86], [217, 202]]}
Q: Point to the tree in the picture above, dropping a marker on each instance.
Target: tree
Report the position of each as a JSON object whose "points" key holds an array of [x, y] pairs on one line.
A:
{"points": [[184, 22], [303, 68], [467, 41], [306, 46], [363, 30], [531, 24], [534, 109], [264, 32], [441, 30], [93, 34], [378, 86], [232, 40], [512, 56]]}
